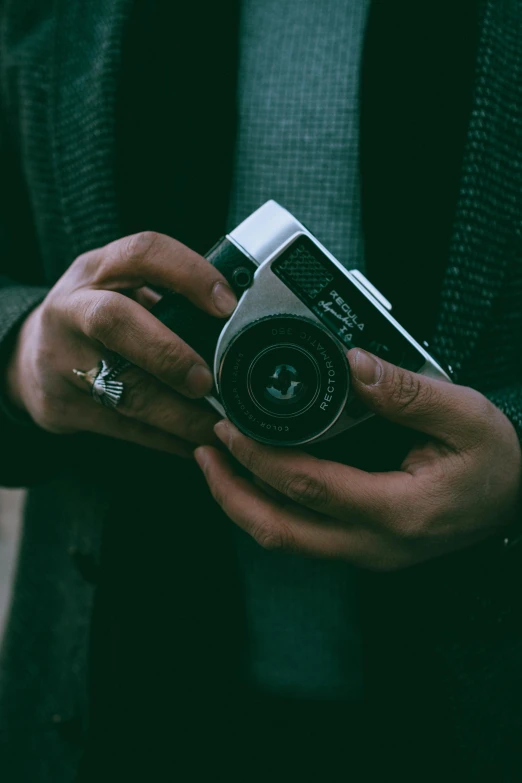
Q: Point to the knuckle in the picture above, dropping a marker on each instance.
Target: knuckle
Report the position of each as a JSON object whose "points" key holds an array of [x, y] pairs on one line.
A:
{"points": [[138, 246], [136, 399], [408, 392], [101, 268], [306, 489], [194, 274], [119, 256], [270, 538], [88, 261], [171, 362], [100, 272], [97, 268], [100, 314]]}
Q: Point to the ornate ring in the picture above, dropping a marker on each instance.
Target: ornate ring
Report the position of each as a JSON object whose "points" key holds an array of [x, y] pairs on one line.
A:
{"points": [[104, 388]]}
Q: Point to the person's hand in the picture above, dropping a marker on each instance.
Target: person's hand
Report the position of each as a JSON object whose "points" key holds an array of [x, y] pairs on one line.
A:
{"points": [[452, 491], [101, 305]]}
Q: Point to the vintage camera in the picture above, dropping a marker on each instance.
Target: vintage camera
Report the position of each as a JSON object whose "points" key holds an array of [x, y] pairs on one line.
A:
{"points": [[280, 368]]}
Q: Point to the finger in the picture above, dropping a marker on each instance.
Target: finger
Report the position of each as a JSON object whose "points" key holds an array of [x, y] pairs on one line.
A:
{"points": [[153, 403], [326, 487], [108, 423], [456, 415], [145, 296], [268, 490], [124, 327], [159, 260], [274, 526]]}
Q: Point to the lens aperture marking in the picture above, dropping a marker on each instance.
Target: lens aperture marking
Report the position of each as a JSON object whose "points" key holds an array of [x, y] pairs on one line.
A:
{"points": [[284, 380], [284, 384]]}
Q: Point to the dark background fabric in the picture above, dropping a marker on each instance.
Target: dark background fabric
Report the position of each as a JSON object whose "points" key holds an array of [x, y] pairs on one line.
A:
{"points": [[443, 639], [416, 97], [175, 115]]}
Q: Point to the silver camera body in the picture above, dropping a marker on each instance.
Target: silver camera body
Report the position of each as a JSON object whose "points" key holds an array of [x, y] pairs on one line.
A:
{"points": [[280, 367]]}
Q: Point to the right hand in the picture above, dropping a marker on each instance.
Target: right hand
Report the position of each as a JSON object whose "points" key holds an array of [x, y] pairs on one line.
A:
{"points": [[101, 305]]}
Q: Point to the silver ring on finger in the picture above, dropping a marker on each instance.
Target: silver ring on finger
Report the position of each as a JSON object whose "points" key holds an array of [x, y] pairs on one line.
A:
{"points": [[105, 389]]}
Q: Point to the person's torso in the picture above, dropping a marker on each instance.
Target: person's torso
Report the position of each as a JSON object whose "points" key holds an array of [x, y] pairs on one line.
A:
{"points": [[67, 135]]}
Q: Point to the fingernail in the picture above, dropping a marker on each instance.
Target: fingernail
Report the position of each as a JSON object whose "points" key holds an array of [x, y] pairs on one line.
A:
{"points": [[367, 368], [223, 431], [224, 298], [199, 380]]}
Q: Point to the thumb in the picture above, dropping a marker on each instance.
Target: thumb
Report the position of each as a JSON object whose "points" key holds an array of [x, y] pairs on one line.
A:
{"points": [[453, 414]]}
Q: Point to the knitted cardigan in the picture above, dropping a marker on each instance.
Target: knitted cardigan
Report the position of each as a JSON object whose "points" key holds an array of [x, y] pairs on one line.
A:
{"points": [[59, 69]]}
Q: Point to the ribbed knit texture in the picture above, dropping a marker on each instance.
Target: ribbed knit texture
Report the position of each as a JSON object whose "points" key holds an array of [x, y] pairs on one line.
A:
{"points": [[298, 136], [15, 304], [298, 143], [484, 273], [483, 278]]}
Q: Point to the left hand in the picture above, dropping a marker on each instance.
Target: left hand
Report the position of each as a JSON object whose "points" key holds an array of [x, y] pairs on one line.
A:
{"points": [[453, 491]]}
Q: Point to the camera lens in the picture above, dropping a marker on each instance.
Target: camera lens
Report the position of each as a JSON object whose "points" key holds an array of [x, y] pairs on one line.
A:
{"points": [[284, 380]]}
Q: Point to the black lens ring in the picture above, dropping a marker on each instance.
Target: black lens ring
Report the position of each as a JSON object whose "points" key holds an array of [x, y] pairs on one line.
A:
{"points": [[243, 410], [289, 349]]}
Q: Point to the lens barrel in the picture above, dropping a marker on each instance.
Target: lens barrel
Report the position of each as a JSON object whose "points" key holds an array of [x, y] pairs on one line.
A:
{"points": [[283, 380]]}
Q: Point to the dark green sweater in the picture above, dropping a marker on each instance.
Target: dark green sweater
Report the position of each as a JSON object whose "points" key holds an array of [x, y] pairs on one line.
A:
{"points": [[451, 629]]}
